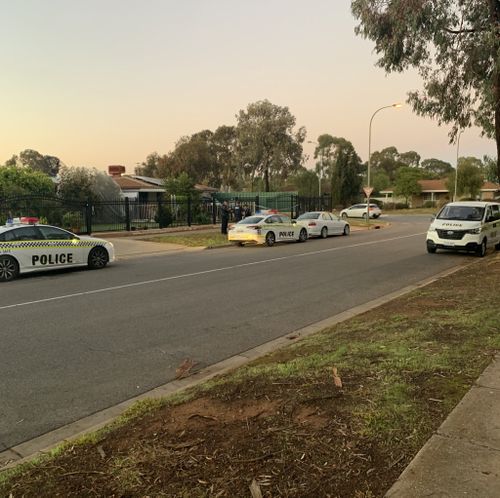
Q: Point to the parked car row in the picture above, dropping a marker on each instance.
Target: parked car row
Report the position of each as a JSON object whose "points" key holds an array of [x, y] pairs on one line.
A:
{"points": [[271, 228]]}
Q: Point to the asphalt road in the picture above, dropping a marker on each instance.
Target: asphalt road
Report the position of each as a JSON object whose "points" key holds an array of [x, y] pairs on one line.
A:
{"points": [[76, 342]]}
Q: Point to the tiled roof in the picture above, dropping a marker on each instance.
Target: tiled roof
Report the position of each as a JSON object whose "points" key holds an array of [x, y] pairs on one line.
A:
{"points": [[440, 186], [433, 185], [129, 183]]}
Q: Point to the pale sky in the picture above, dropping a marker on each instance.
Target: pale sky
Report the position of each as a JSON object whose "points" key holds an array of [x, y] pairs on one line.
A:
{"points": [[101, 82]]}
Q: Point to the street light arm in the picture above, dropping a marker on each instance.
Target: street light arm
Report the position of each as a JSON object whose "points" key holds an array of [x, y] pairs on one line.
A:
{"points": [[370, 156], [370, 134]]}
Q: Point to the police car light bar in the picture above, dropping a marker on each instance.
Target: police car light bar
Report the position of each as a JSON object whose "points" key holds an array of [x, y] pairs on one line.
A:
{"points": [[29, 220], [24, 220]]}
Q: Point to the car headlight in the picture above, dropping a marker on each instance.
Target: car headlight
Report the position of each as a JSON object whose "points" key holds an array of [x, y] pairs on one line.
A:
{"points": [[432, 229], [474, 231]]}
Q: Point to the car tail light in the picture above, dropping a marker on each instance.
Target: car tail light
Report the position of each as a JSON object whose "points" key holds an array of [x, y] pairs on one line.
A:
{"points": [[255, 227], [312, 224]]}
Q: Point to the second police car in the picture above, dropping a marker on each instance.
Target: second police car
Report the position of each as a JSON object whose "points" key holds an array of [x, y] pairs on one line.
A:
{"points": [[27, 247], [266, 229]]}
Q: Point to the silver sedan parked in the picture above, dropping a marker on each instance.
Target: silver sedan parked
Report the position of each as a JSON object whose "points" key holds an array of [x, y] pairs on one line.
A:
{"points": [[322, 224]]}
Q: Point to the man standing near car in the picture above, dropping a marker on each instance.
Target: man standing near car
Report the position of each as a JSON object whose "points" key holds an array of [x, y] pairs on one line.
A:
{"points": [[238, 212], [224, 217]]}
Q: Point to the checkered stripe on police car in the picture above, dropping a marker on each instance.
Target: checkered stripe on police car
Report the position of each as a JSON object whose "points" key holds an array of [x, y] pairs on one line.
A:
{"points": [[33, 244]]}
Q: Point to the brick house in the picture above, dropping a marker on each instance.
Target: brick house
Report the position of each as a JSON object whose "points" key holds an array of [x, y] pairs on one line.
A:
{"points": [[436, 191]]}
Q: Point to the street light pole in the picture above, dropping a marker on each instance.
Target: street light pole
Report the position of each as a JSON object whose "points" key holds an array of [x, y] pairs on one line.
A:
{"points": [[370, 156], [456, 168]]}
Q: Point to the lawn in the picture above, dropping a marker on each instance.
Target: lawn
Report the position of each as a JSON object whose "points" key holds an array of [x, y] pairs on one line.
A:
{"points": [[211, 238], [340, 413]]}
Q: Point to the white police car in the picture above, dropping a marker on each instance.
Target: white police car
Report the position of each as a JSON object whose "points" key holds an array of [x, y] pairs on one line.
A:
{"points": [[266, 229], [26, 246]]}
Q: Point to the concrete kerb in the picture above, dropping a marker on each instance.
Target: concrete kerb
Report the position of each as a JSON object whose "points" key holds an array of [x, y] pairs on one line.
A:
{"points": [[43, 444]]}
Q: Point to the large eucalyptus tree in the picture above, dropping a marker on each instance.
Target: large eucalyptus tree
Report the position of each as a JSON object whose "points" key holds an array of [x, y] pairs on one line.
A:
{"points": [[454, 44], [268, 144]]}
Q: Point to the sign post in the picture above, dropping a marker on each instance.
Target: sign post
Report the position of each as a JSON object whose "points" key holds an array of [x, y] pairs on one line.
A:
{"points": [[368, 191]]}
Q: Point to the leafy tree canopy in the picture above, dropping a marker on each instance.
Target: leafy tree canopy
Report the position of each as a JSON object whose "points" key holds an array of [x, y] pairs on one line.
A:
{"points": [[268, 144], [342, 166], [380, 181], [79, 183], [455, 46], [180, 185], [435, 168], [386, 160], [407, 182], [16, 181], [152, 166], [490, 170], [305, 182], [469, 180], [37, 162]]}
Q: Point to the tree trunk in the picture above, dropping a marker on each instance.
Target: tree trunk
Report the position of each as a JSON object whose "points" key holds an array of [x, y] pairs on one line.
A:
{"points": [[496, 93], [495, 19]]}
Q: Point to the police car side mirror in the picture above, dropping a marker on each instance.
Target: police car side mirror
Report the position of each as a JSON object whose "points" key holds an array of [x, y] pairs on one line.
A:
{"points": [[433, 217], [490, 218]]}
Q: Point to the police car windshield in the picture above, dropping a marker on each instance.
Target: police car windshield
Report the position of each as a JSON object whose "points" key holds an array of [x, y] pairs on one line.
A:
{"points": [[462, 213], [308, 216], [250, 220]]}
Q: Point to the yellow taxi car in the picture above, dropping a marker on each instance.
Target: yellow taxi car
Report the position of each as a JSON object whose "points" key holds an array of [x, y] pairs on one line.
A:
{"points": [[28, 247], [266, 229]]}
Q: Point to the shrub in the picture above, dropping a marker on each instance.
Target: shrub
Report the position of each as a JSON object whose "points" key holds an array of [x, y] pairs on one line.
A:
{"points": [[71, 220], [202, 219], [163, 216], [429, 204]]}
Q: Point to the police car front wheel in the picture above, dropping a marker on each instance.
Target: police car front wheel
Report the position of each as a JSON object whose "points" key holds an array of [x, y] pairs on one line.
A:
{"points": [[9, 268], [98, 258]]}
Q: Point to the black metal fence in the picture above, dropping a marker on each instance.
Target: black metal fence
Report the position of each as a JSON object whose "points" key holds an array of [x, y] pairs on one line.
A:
{"points": [[87, 217]]}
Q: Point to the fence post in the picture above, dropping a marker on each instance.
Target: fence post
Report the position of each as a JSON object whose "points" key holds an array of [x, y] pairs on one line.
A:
{"points": [[256, 204], [189, 211], [291, 206], [214, 210], [127, 214], [88, 216]]}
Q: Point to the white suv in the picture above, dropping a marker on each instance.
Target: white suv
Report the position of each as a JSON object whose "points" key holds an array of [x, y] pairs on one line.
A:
{"points": [[466, 226], [359, 211]]}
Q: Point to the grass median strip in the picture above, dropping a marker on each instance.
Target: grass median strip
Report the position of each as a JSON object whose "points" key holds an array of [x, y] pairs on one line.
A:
{"points": [[340, 413], [198, 239]]}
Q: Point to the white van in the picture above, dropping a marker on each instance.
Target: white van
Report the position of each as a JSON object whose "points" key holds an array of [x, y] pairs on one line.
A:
{"points": [[466, 226]]}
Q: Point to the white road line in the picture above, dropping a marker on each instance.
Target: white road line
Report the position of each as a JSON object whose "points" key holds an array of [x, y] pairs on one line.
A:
{"points": [[204, 272]]}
